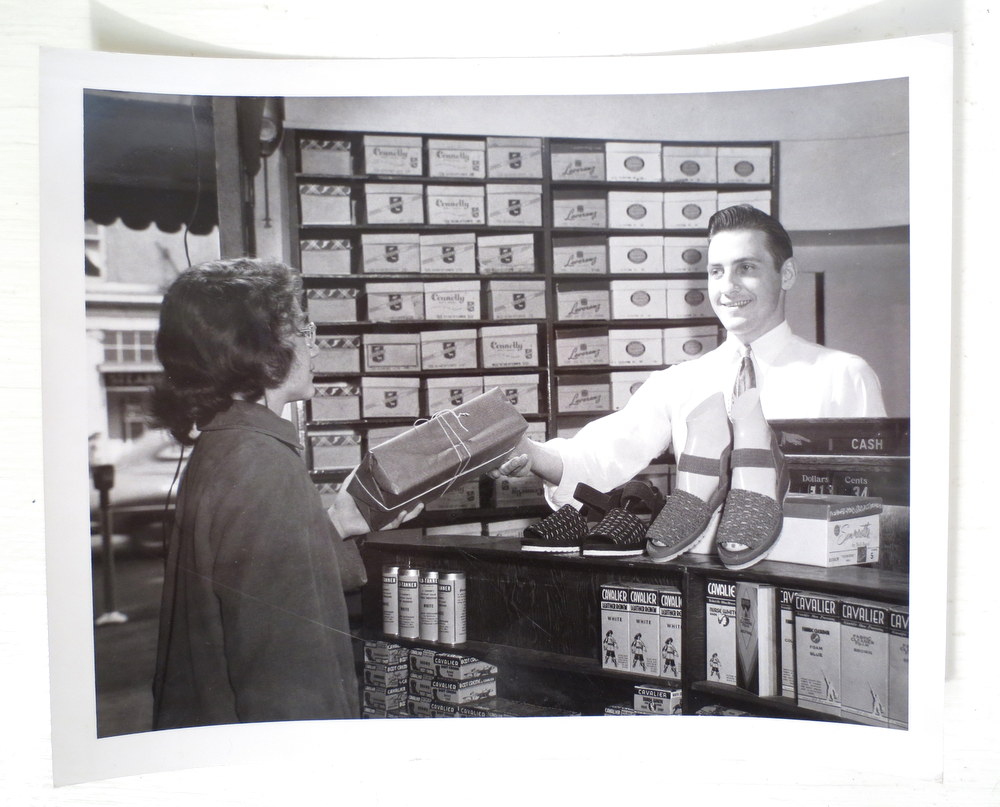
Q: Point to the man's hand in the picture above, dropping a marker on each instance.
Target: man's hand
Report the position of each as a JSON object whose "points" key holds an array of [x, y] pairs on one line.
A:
{"points": [[519, 465]]}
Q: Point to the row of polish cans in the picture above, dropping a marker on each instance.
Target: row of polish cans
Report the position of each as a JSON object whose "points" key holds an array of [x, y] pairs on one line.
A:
{"points": [[425, 604]]}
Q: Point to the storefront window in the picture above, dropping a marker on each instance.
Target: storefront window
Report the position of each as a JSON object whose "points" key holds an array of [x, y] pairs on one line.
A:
{"points": [[129, 347]]}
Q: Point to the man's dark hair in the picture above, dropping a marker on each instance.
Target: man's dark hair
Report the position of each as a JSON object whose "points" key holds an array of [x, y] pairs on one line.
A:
{"points": [[748, 217]]}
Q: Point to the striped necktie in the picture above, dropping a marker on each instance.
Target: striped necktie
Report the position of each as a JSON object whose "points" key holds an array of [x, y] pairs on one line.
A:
{"points": [[746, 377]]}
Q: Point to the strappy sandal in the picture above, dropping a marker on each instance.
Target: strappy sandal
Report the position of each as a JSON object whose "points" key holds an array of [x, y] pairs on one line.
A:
{"points": [[622, 533], [564, 530]]}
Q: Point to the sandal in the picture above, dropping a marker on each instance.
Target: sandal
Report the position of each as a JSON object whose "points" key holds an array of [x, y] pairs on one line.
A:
{"points": [[621, 533], [564, 530]]}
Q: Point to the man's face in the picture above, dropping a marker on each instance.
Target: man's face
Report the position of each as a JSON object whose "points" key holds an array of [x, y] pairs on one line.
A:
{"points": [[746, 289]]}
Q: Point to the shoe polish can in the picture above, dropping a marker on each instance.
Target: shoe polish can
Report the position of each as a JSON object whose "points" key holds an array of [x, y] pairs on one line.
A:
{"points": [[428, 596], [390, 600], [409, 603], [451, 608]]}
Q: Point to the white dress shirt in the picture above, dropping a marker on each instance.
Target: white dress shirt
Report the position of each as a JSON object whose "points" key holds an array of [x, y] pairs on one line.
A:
{"points": [[797, 379]]}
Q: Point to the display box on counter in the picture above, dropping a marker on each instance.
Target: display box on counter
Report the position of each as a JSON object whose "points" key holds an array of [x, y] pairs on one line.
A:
{"points": [[338, 354], [506, 254], [514, 157], [321, 203], [509, 527], [448, 254], [326, 156], [525, 491], [633, 162], [390, 252], [682, 344], [457, 205], [393, 203], [332, 305], [516, 299], [688, 299], [582, 300], [579, 347], [689, 209], [337, 400], [577, 162], [829, 530], [684, 254], [689, 164], [333, 449], [400, 155], [579, 209], [587, 255], [509, 346], [514, 205], [632, 348], [391, 352], [394, 302], [447, 393], [390, 397], [639, 299], [744, 164], [463, 496], [456, 159], [761, 199], [583, 393], [635, 254], [448, 350], [325, 257], [639, 210], [521, 392], [624, 386]]}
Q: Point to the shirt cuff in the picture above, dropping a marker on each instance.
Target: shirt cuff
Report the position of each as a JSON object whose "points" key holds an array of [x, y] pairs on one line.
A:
{"points": [[561, 494]]}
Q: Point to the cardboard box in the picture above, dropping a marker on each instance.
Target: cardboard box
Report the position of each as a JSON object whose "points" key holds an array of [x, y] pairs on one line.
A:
{"points": [[457, 159], [508, 528], [786, 626], [744, 164], [587, 255], [639, 299], [422, 661], [635, 210], [582, 300], [449, 350], [899, 666], [688, 299], [670, 607], [760, 199], [506, 254], [394, 302], [864, 661], [325, 257], [514, 157], [380, 434], [577, 162], [641, 254], [322, 203], [393, 204], [582, 347], [525, 491], [758, 666], [683, 254], [817, 652], [326, 156], [579, 209], [459, 205], [459, 667], [378, 651], [390, 397], [398, 155], [334, 449], [391, 352], [636, 348], [690, 164], [579, 394], [458, 692], [338, 354], [614, 626], [509, 346], [514, 205], [516, 299], [688, 209], [458, 300], [386, 675], [447, 393], [385, 699], [339, 400], [332, 305], [720, 631], [633, 162], [644, 629], [461, 496], [828, 530], [521, 391], [682, 344], [448, 254], [653, 700], [390, 252], [624, 385]]}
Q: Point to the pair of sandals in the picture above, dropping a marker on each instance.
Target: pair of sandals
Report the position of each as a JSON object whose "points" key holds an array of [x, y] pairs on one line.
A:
{"points": [[619, 531]]}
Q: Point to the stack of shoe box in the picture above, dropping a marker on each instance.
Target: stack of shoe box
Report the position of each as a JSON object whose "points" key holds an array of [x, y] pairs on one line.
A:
{"points": [[385, 675], [440, 683]]}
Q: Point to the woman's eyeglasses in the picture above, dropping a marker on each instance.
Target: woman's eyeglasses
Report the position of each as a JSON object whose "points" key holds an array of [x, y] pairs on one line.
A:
{"points": [[309, 332]]}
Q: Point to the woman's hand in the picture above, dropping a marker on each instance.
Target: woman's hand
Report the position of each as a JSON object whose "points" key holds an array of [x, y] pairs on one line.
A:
{"points": [[347, 519]]}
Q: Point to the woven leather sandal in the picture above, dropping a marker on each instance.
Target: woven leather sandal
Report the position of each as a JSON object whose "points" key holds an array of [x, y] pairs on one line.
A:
{"points": [[564, 530], [621, 533]]}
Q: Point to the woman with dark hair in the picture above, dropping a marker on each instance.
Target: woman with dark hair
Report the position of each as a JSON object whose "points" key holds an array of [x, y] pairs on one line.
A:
{"points": [[253, 623]]}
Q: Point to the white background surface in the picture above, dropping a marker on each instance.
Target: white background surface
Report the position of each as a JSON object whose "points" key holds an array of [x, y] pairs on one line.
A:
{"points": [[971, 763]]}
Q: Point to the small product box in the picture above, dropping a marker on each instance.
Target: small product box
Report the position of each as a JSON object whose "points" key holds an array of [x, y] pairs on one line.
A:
{"points": [[456, 159], [509, 346], [525, 491], [379, 651], [635, 210], [514, 157], [440, 709], [447, 393], [335, 448], [516, 299], [450, 254], [817, 652], [614, 626], [332, 305], [582, 347], [624, 386], [654, 700], [419, 706], [689, 209], [506, 254], [456, 205], [670, 606], [456, 667], [390, 397], [899, 666], [387, 699], [829, 530], [390, 252], [583, 393], [422, 661], [786, 625], [393, 204], [521, 391], [582, 300], [338, 354], [448, 350], [634, 162], [720, 631], [459, 692], [685, 254], [864, 661], [689, 164], [461, 496], [636, 348], [514, 205], [453, 300], [326, 257], [682, 344], [508, 528], [394, 155], [761, 199], [688, 299], [420, 686], [340, 400], [326, 156], [635, 254], [639, 299], [391, 352], [744, 164], [394, 302], [644, 629], [321, 203], [577, 162], [386, 675], [579, 209], [587, 255]]}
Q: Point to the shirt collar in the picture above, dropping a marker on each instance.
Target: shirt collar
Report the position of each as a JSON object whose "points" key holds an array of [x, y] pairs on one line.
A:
{"points": [[765, 348], [255, 417]]}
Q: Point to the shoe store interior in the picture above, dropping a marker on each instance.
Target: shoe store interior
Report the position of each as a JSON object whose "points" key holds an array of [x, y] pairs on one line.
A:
{"points": [[499, 406]]}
